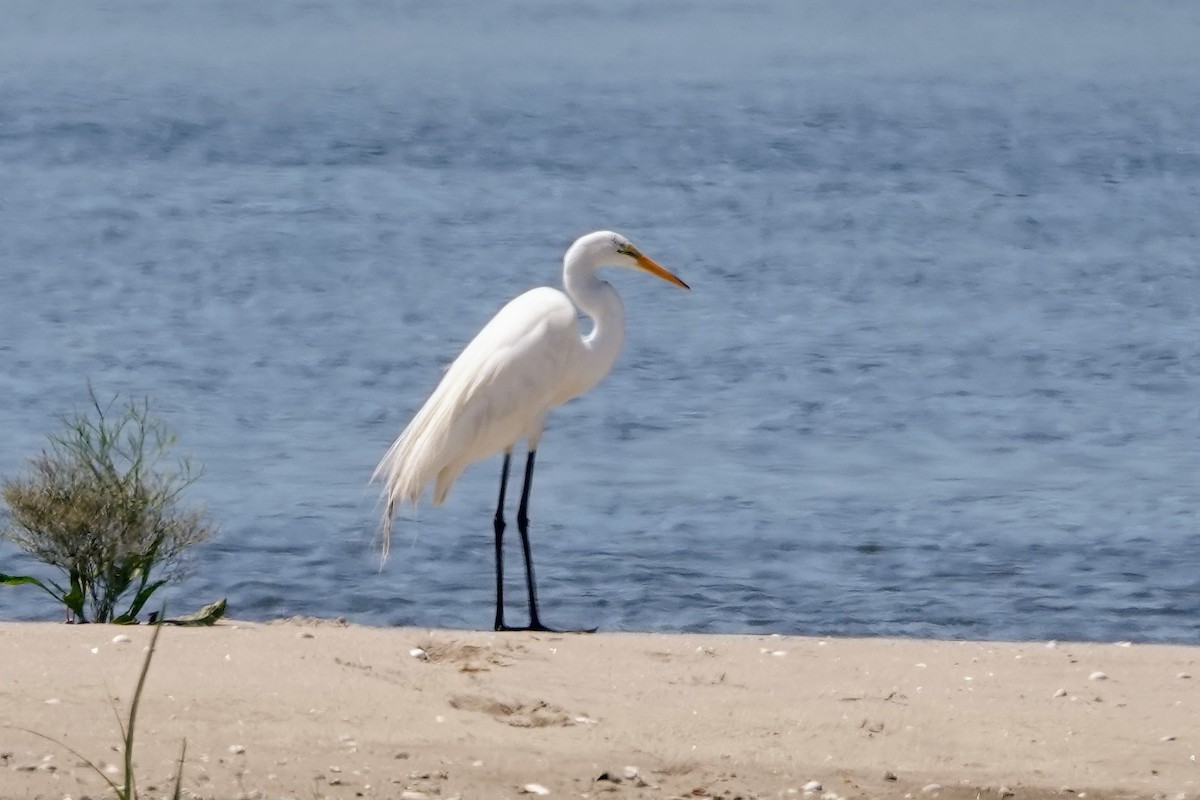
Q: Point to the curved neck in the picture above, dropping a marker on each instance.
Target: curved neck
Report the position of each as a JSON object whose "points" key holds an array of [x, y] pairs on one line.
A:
{"points": [[599, 301]]}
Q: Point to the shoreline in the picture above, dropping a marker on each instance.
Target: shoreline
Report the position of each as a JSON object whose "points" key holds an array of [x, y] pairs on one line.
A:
{"points": [[310, 708]]}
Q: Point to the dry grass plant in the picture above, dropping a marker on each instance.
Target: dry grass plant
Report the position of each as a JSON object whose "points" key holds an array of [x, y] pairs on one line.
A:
{"points": [[103, 506]]}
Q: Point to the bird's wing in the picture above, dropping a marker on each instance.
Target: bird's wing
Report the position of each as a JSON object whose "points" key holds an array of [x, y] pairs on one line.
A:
{"points": [[507, 377], [496, 391]]}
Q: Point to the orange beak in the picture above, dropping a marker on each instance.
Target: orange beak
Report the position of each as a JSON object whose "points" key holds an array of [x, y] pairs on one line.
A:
{"points": [[655, 269]]}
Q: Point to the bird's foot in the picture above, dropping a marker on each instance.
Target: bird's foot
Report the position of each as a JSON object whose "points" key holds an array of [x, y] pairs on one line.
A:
{"points": [[538, 627]]}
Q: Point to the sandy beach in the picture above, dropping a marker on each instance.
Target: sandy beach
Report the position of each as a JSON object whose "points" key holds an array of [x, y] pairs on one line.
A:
{"points": [[315, 709]]}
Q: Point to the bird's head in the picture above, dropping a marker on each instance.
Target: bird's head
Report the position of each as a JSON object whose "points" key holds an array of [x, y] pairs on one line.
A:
{"points": [[608, 249]]}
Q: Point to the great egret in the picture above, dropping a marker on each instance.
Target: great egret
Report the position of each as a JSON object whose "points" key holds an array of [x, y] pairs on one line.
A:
{"points": [[528, 359]]}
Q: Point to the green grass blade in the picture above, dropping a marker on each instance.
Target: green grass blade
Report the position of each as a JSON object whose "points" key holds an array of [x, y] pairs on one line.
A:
{"points": [[68, 599], [130, 788], [17, 580], [135, 607], [178, 793]]}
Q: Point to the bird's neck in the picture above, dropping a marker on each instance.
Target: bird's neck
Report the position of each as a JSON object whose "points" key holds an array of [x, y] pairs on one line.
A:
{"points": [[601, 303]]}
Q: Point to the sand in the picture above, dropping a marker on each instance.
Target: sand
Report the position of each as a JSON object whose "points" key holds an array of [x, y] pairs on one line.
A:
{"points": [[314, 709]]}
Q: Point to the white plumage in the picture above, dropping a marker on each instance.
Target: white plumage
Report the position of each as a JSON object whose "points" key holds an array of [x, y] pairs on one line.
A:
{"points": [[494, 394], [528, 359]]}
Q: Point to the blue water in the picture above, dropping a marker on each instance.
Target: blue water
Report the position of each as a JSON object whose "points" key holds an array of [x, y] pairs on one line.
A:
{"points": [[938, 374]]}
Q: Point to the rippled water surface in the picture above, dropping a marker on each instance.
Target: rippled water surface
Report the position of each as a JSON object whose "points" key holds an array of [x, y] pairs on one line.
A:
{"points": [[938, 375]]}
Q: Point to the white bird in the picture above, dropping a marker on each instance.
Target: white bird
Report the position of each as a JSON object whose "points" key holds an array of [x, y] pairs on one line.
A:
{"points": [[528, 359]]}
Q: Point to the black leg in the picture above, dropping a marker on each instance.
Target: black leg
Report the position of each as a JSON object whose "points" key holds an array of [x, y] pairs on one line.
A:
{"points": [[498, 526], [535, 623]]}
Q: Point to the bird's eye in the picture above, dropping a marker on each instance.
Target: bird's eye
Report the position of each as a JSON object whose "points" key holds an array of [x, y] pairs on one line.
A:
{"points": [[626, 249]]}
